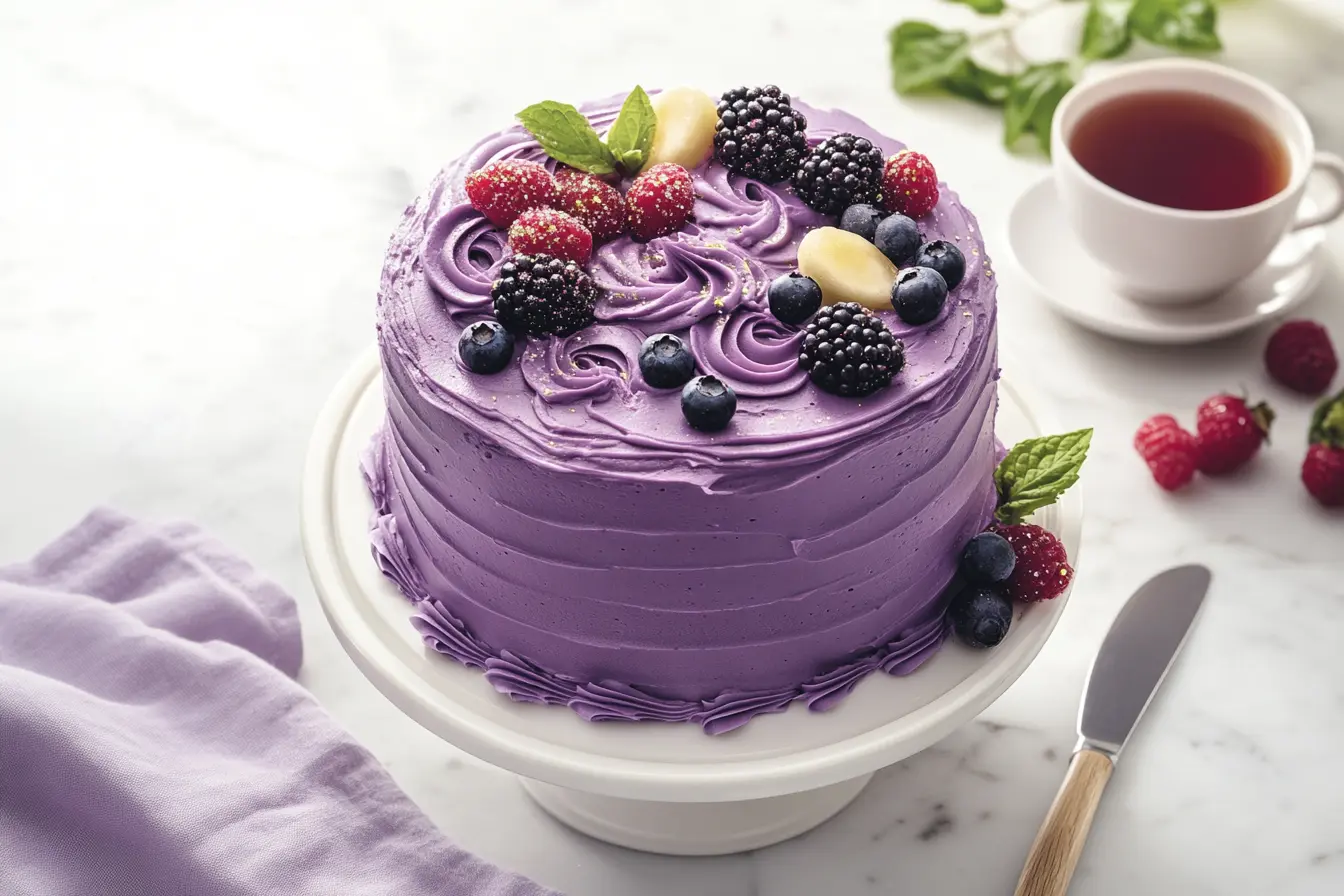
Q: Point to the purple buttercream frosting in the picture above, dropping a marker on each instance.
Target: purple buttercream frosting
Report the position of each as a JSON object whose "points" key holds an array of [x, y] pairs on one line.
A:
{"points": [[560, 526]]}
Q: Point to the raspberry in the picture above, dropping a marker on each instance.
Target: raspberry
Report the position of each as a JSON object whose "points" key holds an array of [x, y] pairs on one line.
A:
{"points": [[909, 184], [596, 203], [1323, 474], [1299, 355], [1172, 454], [1323, 468], [545, 231], [1230, 433], [759, 134], [841, 171], [542, 296], [1042, 570], [504, 190], [659, 201]]}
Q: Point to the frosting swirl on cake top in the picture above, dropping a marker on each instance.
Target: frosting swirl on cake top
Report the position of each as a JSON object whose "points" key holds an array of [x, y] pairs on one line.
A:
{"points": [[579, 403]]}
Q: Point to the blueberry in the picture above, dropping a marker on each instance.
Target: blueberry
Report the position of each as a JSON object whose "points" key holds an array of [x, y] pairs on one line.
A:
{"points": [[987, 559], [794, 298], [708, 403], [897, 238], [485, 347], [981, 616], [862, 219], [944, 258], [918, 295], [665, 361]]}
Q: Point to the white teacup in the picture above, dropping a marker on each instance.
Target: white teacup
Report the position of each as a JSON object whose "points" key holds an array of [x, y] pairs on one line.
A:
{"points": [[1171, 255]]}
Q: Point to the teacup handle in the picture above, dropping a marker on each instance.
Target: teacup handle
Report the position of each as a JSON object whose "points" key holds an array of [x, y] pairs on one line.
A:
{"points": [[1332, 165]]}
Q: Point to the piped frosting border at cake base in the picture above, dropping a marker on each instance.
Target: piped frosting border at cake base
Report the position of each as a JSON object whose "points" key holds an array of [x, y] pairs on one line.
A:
{"points": [[607, 701]]}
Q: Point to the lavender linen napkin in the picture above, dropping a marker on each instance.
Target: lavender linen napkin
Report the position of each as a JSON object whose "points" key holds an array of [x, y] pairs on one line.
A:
{"points": [[152, 742]]}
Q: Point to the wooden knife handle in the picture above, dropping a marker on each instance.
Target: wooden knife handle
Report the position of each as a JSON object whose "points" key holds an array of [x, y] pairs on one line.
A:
{"points": [[1059, 842]]}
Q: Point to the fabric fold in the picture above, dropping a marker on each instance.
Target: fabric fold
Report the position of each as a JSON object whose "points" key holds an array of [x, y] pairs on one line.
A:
{"points": [[153, 742]]}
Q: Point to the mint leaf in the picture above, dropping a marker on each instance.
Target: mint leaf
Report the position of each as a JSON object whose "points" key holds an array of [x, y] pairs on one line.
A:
{"points": [[922, 55], [1031, 103], [1105, 30], [631, 137], [976, 83], [988, 7], [1180, 24], [1327, 423], [567, 137], [1038, 471]]}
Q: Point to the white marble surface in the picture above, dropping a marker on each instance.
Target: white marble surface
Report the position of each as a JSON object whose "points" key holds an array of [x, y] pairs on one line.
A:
{"points": [[194, 199]]}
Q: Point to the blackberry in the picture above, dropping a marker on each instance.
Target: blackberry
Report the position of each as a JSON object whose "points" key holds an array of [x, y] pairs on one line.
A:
{"points": [[539, 295], [841, 171], [848, 351], [759, 133]]}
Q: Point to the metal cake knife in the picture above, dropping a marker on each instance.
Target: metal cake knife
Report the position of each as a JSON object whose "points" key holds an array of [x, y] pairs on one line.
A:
{"points": [[1127, 671]]}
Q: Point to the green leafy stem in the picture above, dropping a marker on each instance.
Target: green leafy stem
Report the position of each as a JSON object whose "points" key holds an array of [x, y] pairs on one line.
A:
{"points": [[929, 59], [567, 136]]}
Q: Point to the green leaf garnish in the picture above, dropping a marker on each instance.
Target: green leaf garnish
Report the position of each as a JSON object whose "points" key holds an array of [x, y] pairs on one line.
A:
{"points": [[1105, 30], [1032, 99], [922, 55], [566, 136], [1179, 24], [1327, 423], [974, 82], [1037, 471], [927, 58], [631, 136], [988, 7]]}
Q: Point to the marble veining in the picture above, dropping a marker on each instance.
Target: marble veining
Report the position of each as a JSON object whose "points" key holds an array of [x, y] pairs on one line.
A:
{"points": [[233, 172]]}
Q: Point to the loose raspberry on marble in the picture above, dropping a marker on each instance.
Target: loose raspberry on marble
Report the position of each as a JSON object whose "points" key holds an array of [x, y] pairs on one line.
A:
{"points": [[1323, 474], [1171, 453], [504, 190], [1323, 467], [594, 202], [909, 184], [659, 201], [549, 232], [1300, 356], [1041, 570], [1230, 433]]}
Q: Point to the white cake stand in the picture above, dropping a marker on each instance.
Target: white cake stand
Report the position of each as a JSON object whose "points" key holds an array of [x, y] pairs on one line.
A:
{"points": [[662, 788]]}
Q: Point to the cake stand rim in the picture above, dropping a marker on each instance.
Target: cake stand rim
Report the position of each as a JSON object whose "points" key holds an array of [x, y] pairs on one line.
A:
{"points": [[653, 780]]}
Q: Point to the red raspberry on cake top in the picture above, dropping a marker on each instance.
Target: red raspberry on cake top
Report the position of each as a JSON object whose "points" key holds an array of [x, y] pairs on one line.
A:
{"points": [[546, 231], [909, 184], [596, 203], [659, 201], [504, 190]]}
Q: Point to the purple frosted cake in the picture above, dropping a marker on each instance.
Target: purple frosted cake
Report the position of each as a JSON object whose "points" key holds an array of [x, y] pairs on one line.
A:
{"points": [[577, 532]]}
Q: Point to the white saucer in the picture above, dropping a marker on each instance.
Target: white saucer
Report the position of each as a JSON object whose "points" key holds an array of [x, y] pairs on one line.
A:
{"points": [[658, 787], [1056, 264]]}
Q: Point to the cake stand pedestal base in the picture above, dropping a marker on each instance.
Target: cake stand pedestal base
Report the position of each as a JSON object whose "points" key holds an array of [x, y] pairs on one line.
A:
{"points": [[694, 829]]}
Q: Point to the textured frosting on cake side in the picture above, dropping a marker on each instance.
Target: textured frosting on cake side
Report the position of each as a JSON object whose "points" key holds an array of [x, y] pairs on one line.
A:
{"points": [[563, 529]]}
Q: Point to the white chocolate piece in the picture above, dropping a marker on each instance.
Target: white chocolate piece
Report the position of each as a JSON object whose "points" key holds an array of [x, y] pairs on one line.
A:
{"points": [[847, 267], [685, 130]]}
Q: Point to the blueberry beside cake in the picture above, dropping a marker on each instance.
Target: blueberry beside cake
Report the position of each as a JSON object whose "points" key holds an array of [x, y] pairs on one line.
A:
{"points": [[690, 412]]}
